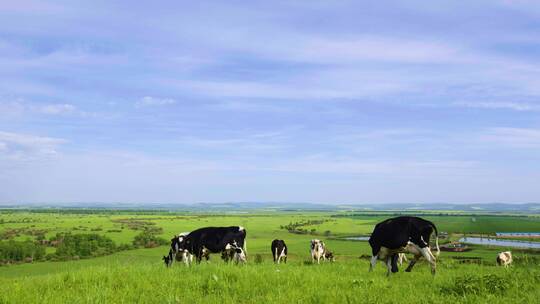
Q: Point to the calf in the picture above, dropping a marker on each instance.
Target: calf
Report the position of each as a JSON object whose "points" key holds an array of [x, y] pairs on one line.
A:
{"points": [[403, 234], [504, 258], [216, 240], [279, 251], [317, 250]]}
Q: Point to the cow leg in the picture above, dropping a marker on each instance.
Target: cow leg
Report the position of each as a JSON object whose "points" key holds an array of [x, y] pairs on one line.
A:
{"points": [[198, 256], [388, 265], [373, 262], [404, 258], [275, 255], [412, 262], [426, 252], [185, 258]]}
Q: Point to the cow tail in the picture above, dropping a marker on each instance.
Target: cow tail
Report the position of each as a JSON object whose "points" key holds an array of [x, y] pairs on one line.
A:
{"points": [[436, 240], [245, 247]]}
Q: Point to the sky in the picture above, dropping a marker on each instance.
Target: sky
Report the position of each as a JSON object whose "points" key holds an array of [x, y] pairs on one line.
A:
{"points": [[283, 101]]}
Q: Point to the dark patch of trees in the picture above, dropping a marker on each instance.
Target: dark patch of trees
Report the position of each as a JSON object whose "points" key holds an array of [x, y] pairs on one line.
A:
{"points": [[148, 238], [298, 227], [16, 251], [15, 232], [82, 246]]}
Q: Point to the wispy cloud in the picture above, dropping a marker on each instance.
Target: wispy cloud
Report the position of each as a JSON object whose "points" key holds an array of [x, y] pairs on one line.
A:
{"points": [[23, 147], [19, 106], [149, 101], [513, 137]]}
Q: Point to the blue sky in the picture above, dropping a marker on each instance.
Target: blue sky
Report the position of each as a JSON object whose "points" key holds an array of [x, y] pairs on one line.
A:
{"points": [[304, 101]]}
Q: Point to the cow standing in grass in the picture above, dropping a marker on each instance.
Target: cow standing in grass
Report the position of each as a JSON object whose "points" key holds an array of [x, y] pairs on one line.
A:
{"points": [[179, 254], [403, 234], [317, 251], [279, 251], [216, 240], [504, 259]]}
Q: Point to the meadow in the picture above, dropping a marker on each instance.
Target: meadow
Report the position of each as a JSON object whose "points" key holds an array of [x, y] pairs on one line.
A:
{"points": [[139, 275]]}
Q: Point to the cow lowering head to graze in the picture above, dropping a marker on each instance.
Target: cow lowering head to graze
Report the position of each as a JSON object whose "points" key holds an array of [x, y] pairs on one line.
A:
{"points": [[504, 258], [329, 256], [215, 240], [317, 250], [177, 253], [279, 251], [233, 253], [403, 234]]}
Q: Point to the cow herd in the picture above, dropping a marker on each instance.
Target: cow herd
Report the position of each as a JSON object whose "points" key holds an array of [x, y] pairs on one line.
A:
{"points": [[389, 242]]}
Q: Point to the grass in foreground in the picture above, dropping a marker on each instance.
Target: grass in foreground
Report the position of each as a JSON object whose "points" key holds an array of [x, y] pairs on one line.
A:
{"points": [[298, 282]]}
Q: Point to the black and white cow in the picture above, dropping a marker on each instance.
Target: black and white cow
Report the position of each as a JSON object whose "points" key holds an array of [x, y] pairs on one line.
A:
{"points": [[504, 258], [175, 253], [318, 249], [179, 254], [403, 234], [216, 240], [279, 251]]}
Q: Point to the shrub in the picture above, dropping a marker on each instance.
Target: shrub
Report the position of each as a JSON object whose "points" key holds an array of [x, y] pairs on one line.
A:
{"points": [[84, 245], [148, 239], [15, 251]]}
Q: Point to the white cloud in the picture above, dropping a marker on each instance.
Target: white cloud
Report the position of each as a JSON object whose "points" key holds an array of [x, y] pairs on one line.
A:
{"points": [[19, 106], [149, 101], [21, 147], [57, 109]]}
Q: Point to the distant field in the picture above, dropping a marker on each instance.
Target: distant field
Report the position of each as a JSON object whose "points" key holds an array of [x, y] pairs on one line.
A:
{"points": [[140, 275]]}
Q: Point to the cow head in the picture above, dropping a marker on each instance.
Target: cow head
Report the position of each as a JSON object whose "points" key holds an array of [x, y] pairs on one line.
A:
{"points": [[317, 245], [234, 252], [329, 256]]}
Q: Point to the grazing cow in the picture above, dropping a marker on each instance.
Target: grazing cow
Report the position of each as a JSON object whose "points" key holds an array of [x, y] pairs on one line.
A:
{"points": [[403, 234], [317, 250], [216, 240], [504, 258], [176, 253], [179, 254], [279, 251], [328, 255]]}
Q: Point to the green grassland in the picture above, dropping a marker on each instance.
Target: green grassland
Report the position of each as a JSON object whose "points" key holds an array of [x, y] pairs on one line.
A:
{"points": [[139, 275]]}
